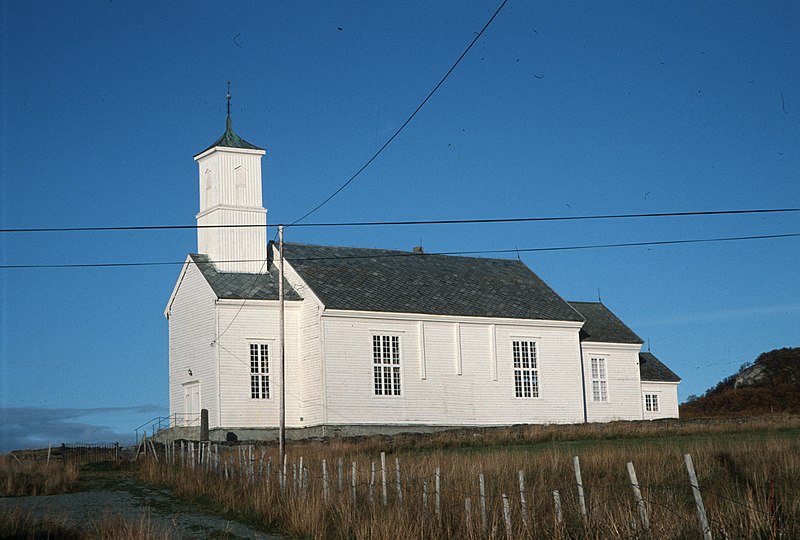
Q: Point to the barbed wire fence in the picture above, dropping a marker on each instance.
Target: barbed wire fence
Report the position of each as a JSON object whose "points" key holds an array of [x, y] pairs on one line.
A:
{"points": [[443, 502]]}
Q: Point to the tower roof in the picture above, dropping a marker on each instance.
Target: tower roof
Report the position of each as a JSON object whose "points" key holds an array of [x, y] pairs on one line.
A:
{"points": [[230, 139]]}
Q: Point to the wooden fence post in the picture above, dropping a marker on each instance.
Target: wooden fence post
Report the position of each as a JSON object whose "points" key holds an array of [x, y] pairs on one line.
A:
{"points": [[468, 515], [507, 515], [340, 470], [397, 481], [557, 504], [383, 479], [300, 475], [324, 480], [284, 476], [251, 467], [424, 498], [484, 519], [576, 463], [523, 503], [698, 497], [637, 494], [353, 479], [372, 483], [153, 448], [438, 496]]}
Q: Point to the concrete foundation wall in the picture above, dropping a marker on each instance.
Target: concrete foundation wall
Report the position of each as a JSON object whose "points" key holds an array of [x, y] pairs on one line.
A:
{"points": [[297, 434]]}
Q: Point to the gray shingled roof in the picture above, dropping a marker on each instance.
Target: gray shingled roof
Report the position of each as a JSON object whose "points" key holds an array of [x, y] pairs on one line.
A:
{"points": [[404, 282], [230, 139], [237, 285], [602, 325], [653, 370]]}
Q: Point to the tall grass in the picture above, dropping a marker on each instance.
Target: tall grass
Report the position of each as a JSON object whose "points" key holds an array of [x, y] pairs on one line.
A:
{"points": [[22, 526], [748, 473], [35, 477]]}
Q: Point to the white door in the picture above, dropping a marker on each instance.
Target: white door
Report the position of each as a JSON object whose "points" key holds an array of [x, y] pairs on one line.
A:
{"points": [[191, 404]]}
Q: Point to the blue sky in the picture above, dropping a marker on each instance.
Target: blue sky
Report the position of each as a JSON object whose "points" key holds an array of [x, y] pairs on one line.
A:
{"points": [[559, 109]]}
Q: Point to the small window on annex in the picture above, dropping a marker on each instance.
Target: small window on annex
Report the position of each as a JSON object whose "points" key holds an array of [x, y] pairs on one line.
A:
{"points": [[386, 365], [526, 369], [259, 371], [651, 403], [599, 380]]}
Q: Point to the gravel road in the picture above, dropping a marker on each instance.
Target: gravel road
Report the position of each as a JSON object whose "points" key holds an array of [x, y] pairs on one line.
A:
{"points": [[134, 501]]}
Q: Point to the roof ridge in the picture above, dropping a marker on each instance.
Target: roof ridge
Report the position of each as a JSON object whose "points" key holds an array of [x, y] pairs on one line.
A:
{"points": [[408, 253]]}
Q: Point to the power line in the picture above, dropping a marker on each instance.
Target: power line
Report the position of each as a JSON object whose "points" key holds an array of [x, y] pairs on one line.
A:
{"points": [[396, 133], [415, 222], [550, 218], [415, 254]]}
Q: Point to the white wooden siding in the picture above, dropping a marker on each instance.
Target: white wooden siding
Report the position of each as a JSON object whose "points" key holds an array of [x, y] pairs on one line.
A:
{"points": [[257, 321], [192, 328], [444, 397], [230, 194], [310, 347], [667, 399], [622, 376], [310, 364]]}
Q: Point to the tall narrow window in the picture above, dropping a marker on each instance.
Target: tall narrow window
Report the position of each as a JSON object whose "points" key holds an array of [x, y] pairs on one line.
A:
{"points": [[259, 371], [651, 402], [526, 370], [599, 381], [386, 365]]}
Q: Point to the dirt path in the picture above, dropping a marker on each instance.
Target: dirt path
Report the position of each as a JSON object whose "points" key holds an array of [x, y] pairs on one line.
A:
{"points": [[120, 495]]}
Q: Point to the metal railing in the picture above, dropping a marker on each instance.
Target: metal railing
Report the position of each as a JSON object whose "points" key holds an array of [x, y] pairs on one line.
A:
{"points": [[158, 423], [89, 453]]}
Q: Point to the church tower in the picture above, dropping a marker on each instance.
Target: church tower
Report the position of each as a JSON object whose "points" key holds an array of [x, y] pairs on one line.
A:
{"points": [[230, 194]]}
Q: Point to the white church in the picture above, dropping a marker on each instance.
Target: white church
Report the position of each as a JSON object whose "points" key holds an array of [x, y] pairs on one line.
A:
{"points": [[381, 341]]}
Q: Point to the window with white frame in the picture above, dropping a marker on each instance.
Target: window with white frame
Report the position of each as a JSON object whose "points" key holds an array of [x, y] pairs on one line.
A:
{"points": [[259, 371], [651, 403], [599, 381], [526, 369], [386, 365]]}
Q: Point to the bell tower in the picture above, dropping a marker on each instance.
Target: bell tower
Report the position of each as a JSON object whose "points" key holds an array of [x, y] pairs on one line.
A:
{"points": [[232, 221]]}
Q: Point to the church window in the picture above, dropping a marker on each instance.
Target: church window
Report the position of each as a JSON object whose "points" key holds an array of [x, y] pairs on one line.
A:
{"points": [[599, 380], [386, 365], [651, 402], [526, 369], [259, 371]]}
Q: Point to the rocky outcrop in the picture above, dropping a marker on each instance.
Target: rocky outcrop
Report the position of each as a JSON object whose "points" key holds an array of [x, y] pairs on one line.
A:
{"points": [[751, 376]]}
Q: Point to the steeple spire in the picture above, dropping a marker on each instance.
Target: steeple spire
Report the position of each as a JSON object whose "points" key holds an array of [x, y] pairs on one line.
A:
{"points": [[230, 139], [228, 122]]}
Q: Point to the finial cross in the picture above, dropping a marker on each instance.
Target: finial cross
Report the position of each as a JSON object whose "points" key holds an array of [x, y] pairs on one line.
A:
{"points": [[229, 98]]}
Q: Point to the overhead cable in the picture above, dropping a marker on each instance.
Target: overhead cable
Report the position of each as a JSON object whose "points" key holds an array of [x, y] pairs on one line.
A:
{"points": [[413, 114], [414, 222], [417, 254]]}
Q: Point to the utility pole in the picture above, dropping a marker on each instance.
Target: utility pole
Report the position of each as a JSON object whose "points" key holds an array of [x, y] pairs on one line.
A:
{"points": [[281, 331]]}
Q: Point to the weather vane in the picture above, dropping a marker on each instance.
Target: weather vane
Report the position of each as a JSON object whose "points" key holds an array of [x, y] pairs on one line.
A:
{"points": [[229, 98]]}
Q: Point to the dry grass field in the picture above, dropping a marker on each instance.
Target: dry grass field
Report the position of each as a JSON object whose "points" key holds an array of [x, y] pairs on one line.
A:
{"points": [[748, 472]]}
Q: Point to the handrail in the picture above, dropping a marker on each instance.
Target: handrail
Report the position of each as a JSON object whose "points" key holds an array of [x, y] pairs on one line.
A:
{"points": [[170, 421]]}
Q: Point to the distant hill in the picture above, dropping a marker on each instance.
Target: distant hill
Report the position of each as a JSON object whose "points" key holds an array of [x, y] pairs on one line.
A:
{"points": [[770, 385]]}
